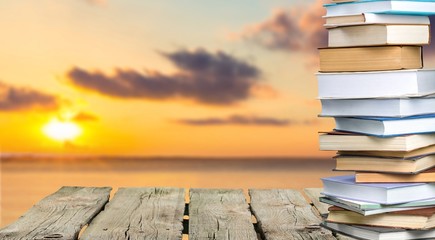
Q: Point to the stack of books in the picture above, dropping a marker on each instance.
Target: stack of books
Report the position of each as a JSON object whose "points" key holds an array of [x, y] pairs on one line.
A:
{"points": [[372, 83]]}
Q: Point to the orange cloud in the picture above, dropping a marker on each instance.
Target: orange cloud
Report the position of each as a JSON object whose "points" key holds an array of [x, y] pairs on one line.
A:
{"points": [[84, 117]]}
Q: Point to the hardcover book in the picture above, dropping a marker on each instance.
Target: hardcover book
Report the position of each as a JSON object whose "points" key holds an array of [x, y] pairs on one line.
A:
{"points": [[377, 34], [380, 84], [377, 177], [379, 233], [345, 141], [386, 193], [392, 107], [384, 164], [410, 219], [373, 18], [367, 208], [412, 7], [386, 127], [356, 59]]}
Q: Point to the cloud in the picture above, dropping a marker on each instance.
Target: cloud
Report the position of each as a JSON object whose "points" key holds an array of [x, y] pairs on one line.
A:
{"points": [[299, 29], [84, 117], [237, 120], [20, 98], [207, 78]]}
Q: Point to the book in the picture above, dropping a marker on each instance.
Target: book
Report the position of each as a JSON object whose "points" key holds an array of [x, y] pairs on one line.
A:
{"points": [[379, 58], [410, 219], [377, 34], [376, 177], [367, 208], [342, 1], [380, 84], [385, 127], [345, 141], [384, 164], [385, 193], [421, 152], [374, 18], [378, 233], [396, 107], [412, 7]]}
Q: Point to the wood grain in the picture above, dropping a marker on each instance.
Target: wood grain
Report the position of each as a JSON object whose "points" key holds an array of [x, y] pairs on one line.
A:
{"points": [[60, 215], [219, 214], [285, 214], [314, 194], [140, 213]]}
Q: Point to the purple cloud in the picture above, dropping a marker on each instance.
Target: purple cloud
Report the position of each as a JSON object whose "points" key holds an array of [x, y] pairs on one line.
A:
{"points": [[208, 78], [20, 98]]}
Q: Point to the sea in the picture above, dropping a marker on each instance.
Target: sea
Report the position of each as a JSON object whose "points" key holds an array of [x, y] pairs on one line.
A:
{"points": [[27, 178]]}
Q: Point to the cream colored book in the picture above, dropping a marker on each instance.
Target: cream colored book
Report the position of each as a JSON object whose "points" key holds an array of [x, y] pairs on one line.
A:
{"points": [[373, 35], [410, 219], [429, 150], [382, 164], [357, 59], [374, 18], [344, 141]]}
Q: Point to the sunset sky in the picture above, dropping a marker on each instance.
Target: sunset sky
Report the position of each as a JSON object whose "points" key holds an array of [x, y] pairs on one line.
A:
{"points": [[185, 77]]}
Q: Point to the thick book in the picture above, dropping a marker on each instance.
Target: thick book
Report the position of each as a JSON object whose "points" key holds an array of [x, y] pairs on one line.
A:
{"points": [[345, 141], [378, 233], [378, 58], [410, 219], [377, 34], [379, 84], [421, 152], [384, 164], [374, 18], [385, 193], [372, 107], [376, 177], [414, 7], [386, 127], [367, 208]]}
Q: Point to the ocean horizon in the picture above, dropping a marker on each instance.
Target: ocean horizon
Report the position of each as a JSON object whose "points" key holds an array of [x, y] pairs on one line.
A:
{"points": [[26, 179]]}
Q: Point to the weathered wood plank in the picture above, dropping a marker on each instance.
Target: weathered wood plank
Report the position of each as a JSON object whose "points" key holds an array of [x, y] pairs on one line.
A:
{"points": [[140, 213], [219, 214], [285, 214], [60, 215], [314, 194]]}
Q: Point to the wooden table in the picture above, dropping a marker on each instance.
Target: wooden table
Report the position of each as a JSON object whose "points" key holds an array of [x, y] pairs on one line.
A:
{"points": [[162, 213]]}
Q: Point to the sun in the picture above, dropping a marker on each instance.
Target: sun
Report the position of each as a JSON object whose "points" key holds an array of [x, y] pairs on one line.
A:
{"points": [[62, 130]]}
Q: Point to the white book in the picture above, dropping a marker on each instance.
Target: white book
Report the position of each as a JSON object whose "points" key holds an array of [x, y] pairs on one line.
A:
{"points": [[395, 107], [386, 127], [414, 7], [383, 193], [374, 18], [379, 84], [372, 35], [378, 233], [340, 141]]}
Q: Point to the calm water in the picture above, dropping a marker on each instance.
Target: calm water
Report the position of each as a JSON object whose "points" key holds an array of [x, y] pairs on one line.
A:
{"points": [[26, 179]]}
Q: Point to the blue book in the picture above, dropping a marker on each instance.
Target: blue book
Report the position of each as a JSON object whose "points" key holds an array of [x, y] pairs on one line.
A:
{"points": [[386, 127], [405, 7], [390, 193]]}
